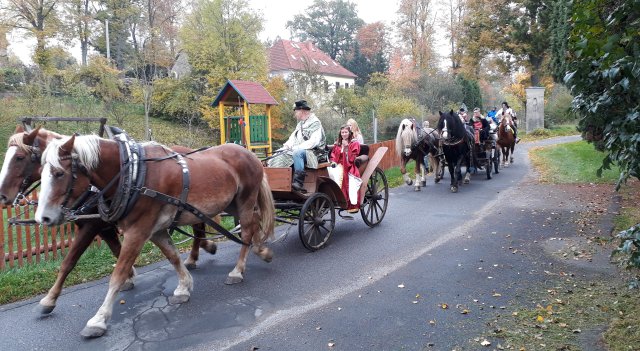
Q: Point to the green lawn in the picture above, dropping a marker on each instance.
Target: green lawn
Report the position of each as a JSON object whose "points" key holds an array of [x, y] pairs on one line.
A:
{"points": [[575, 162]]}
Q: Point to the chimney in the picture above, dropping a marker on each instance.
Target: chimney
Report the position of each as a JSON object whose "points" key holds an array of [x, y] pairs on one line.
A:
{"points": [[310, 46]]}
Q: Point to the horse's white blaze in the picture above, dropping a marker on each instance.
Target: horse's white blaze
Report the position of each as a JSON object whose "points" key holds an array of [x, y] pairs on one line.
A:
{"points": [[44, 209], [11, 151]]}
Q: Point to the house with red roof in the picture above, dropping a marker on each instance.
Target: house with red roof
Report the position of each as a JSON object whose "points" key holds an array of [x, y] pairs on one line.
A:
{"points": [[287, 57]]}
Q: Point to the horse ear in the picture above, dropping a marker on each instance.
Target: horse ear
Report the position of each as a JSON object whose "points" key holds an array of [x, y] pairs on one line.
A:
{"points": [[19, 129], [451, 112], [29, 138], [440, 112], [67, 147]]}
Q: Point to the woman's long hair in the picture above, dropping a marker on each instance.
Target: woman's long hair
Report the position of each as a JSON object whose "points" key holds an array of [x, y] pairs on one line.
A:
{"points": [[339, 140]]}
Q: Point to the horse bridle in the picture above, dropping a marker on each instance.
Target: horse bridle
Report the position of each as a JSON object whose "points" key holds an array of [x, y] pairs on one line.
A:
{"points": [[24, 190]]}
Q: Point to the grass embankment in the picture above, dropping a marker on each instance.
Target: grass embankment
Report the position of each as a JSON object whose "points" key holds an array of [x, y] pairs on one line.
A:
{"points": [[576, 306], [560, 130]]}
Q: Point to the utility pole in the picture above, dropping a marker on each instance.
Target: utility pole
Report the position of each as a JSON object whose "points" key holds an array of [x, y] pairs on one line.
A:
{"points": [[375, 128], [106, 24]]}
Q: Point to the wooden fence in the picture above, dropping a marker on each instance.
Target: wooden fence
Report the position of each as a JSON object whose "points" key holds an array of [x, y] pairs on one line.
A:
{"points": [[26, 244], [21, 245]]}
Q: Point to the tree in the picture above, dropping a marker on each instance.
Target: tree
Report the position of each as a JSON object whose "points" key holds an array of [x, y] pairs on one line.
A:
{"points": [[456, 27], [78, 18], [560, 29], [359, 65], [374, 45], [329, 24], [221, 40], [38, 18], [416, 27], [604, 64], [122, 16]]}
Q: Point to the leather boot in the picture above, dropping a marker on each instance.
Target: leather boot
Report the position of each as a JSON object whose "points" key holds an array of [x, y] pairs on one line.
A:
{"points": [[298, 181]]}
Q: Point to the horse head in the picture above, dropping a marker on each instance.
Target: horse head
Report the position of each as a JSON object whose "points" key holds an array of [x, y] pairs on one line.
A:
{"points": [[66, 164], [21, 166], [406, 137]]}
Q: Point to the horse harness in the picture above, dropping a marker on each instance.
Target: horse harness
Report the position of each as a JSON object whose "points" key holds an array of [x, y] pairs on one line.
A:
{"points": [[131, 185]]}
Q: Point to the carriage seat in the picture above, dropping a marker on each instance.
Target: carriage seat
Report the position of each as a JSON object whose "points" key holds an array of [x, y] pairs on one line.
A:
{"points": [[363, 157]]}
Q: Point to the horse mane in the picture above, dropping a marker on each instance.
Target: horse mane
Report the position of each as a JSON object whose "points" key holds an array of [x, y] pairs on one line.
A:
{"points": [[412, 134], [86, 147], [18, 139]]}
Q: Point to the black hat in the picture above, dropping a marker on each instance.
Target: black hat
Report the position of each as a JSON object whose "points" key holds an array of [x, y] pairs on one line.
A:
{"points": [[462, 109], [302, 105]]}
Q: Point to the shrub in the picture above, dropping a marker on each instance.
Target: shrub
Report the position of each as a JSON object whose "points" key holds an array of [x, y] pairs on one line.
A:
{"points": [[558, 109]]}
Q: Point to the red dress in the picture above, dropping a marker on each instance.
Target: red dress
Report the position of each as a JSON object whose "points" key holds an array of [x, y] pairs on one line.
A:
{"points": [[347, 160]]}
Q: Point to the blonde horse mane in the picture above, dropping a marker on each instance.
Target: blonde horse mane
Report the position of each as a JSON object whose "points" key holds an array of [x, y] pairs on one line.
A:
{"points": [[87, 147], [405, 136], [18, 139]]}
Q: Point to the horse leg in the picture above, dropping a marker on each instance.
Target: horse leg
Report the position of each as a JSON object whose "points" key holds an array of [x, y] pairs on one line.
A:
{"points": [[209, 246], [403, 171], [185, 282], [131, 247], [453, 174], [423, 173], [84, 238], [467, 159], [417, 174], [511, 151]]}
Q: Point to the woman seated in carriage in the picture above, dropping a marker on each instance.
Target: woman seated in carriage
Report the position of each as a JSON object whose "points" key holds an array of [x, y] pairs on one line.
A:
{"points": [[344, 153], [480, 126]]}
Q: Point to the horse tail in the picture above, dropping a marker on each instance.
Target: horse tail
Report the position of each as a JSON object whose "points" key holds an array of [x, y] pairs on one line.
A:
{"points": [[266, 210]]}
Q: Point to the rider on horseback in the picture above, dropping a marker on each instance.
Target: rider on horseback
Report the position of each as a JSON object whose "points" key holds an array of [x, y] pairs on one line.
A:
{"points": [[508, 110]]}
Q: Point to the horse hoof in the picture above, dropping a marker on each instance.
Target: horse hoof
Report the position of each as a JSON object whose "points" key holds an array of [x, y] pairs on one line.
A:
{"points": [[466, 181], [178, 299], [191, 266], [45, 309], [454, 189], [437, 180], [92, 332], [233, 280], [127, 286], [210, 247], [409, 182], [423, 183], [416, 188]]}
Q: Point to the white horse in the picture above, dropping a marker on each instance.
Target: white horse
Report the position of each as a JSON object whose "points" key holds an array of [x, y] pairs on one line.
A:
{"points": [[408, 149]]}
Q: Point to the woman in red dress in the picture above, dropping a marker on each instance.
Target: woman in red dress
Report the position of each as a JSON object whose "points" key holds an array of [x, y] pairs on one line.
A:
{"points": [[344, 152]]}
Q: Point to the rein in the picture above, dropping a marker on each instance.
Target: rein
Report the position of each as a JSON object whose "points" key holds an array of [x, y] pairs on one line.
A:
{"points": [[134, 170]]}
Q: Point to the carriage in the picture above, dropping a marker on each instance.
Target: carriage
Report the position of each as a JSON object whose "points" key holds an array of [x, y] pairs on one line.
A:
{"points": [[487, 155], [314, 211]]}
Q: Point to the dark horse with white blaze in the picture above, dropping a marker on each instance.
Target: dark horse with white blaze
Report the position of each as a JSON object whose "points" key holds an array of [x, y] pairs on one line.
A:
{"points": [[22, 168], [175, 190], [413, 143], [456, 145]]}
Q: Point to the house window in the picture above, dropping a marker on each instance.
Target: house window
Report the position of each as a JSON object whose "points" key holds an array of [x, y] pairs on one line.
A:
{"points": [[326, 86], [346, 85], [337, 85]]}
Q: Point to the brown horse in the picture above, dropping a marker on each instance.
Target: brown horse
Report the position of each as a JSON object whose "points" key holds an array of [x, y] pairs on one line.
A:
{"points": [[224, 178], [506, 139], [22, 168]]}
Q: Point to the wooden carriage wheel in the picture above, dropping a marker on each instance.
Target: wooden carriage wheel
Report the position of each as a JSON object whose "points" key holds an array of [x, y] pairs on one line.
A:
{"points": [[317, 221], [376, 198]]}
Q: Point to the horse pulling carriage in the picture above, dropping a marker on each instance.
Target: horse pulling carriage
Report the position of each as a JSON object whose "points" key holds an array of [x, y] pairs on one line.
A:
{"points": [[314, 211]]}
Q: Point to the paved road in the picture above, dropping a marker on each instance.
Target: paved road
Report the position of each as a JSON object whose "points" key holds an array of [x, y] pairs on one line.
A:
{"points": [[371, 289]]}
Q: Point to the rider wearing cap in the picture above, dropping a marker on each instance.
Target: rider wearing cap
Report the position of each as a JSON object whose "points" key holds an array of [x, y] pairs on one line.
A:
{"points": [[306, 145], [480, 126]]}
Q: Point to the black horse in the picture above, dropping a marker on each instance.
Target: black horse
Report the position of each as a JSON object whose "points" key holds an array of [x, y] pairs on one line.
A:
{"points": [[456, 145]]}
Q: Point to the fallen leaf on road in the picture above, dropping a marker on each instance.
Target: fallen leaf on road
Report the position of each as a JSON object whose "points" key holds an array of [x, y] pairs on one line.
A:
{"points": [[485, 343], [497, 294], [444, 306], [401, 286], [432, 322], [331, 344], [122, 302]]}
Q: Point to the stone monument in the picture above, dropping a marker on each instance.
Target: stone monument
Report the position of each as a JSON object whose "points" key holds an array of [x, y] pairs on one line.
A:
{"points": [[534, 117]]}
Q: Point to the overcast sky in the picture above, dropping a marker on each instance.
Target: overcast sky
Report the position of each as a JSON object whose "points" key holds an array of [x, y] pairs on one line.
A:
{"points": [[276, 13]]}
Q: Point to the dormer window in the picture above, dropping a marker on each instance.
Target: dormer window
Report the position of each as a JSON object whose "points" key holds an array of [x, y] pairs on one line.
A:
{"points": [[293, 57]]}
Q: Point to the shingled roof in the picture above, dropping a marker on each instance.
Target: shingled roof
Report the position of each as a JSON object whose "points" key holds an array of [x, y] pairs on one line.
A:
{"points": [[287, 55], [251, 92]]}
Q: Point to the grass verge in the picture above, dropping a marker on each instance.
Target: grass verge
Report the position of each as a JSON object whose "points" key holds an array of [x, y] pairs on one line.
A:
{"points": [[560, 130], [575, 312]]}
